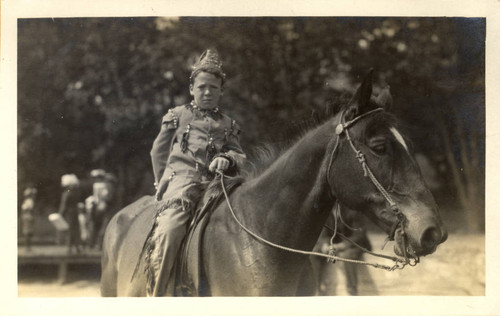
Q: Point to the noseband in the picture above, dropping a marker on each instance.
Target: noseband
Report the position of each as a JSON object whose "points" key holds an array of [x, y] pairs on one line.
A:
{"points": [[400, 219]]}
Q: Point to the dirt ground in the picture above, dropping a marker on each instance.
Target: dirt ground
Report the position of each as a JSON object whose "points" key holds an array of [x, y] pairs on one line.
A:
{"points": [[457, 268], [41, 281]]}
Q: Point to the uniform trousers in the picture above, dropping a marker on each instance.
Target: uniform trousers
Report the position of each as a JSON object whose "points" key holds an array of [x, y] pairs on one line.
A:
{"points": [[167, 238]]}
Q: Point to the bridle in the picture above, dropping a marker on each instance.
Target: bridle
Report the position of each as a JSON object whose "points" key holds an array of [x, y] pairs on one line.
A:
{"points": [[398, 226], [343, 128]]}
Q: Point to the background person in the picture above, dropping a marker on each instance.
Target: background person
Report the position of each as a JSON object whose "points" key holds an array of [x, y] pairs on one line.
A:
{"points": [[329, 275], [102, 194], [28, 215], [69, 209]]}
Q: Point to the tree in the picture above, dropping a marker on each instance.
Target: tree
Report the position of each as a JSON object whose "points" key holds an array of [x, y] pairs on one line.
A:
{"points": [[92, 91]]}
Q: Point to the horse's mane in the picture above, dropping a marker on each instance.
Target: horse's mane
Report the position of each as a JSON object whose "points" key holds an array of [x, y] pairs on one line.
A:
{"points": [[261, 156]]}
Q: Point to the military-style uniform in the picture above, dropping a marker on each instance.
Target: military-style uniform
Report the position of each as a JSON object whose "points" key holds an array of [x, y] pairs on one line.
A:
{"points": [[189, 139]]}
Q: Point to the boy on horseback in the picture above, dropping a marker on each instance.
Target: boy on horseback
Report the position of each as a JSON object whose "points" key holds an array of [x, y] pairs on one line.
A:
{"points": [[195, 140]]}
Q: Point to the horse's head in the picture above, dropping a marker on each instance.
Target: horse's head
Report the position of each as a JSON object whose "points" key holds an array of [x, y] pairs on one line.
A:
{"points": [[372, 170]]}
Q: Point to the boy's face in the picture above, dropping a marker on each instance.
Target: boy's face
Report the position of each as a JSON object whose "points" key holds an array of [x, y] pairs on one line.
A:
{"points": [[206, 90]]}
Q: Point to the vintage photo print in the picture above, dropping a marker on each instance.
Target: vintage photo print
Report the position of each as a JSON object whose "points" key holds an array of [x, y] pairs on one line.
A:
{"points": [[289, 158]]}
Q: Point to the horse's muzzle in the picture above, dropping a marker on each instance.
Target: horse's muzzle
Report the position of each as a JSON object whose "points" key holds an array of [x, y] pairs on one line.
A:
{"points": [[424, 244]]}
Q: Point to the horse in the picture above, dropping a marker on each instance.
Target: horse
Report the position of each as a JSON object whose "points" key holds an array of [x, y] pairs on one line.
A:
{"points": [[357, 158]]}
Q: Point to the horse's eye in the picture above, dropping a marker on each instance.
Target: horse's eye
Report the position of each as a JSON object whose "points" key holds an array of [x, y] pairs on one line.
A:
{"points": [[378, 145], [380, 148]]}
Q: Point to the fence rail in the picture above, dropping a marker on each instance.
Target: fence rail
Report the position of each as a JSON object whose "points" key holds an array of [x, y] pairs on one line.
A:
{"points": [[57, 255]]}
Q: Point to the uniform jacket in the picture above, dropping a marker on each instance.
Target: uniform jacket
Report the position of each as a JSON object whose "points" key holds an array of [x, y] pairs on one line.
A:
{"points": [[189, 139]]}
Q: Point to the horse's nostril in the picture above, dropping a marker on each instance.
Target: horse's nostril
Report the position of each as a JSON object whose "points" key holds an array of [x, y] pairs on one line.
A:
{"points": [[430, 238]]}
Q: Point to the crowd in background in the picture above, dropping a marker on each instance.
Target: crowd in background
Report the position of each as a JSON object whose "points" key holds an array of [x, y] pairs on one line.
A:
{"points": [[86, 205]]}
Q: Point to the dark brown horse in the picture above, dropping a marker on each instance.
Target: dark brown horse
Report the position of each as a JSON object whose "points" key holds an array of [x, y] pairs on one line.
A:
{"points": [[342, 160]]}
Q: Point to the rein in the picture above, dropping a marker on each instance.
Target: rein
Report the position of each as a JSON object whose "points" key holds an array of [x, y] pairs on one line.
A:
{"points": [[303, 252], [341, 128]]}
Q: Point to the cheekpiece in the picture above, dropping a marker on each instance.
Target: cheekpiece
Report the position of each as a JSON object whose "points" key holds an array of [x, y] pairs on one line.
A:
{"points": [[208, 61]]}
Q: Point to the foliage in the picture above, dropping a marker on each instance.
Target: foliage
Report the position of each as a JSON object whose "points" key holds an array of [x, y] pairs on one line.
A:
{"points": [[91, 92]]}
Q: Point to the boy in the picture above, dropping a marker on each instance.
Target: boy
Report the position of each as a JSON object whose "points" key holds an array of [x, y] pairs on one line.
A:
{"points": [[195, 140]]}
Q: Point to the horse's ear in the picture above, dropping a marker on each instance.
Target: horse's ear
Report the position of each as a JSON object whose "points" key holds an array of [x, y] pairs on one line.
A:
{"points": [[384, 99], [360, 102]]}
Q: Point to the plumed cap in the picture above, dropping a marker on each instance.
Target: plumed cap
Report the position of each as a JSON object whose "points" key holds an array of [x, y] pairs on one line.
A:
{"points": [[209, 62]]}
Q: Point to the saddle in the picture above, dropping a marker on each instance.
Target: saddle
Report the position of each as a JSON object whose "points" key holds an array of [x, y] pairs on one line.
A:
{"points": [[193, 283]]}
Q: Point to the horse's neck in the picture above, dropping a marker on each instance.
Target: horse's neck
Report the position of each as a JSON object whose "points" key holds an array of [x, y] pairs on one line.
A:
{"points": [[291, 196]]}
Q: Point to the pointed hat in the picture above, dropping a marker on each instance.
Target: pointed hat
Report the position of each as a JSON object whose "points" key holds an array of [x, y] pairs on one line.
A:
{"points": [[209, 61]]}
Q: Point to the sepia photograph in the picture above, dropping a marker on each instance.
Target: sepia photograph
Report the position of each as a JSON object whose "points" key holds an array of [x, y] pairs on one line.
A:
{"points": [[248, 158]]}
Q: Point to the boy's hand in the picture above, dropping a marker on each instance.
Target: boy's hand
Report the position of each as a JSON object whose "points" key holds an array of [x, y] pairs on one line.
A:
{"points": [[219, 163]]}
